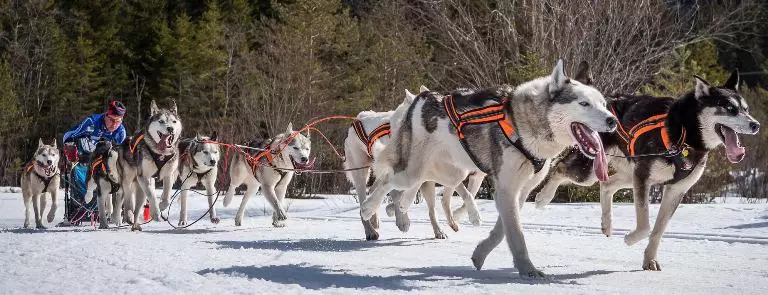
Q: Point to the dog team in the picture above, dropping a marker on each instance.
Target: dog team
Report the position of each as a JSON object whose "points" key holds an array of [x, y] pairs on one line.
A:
{"points": [[546, 132]]}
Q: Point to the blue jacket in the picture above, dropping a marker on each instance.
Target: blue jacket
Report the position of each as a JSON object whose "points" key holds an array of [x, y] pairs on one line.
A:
{"points": [[94, 129]]}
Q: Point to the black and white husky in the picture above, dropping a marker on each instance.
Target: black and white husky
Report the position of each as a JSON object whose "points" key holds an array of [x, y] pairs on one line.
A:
{"points": [[153, 152], [509, 134], [269, 167], [199, 163], [666, 142], [104, 175], [41, 176], [366, 138]]}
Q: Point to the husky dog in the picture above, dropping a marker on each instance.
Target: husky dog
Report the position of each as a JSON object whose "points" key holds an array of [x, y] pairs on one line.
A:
{"points": [[199, 159], [41, 176], [270, 169], [361, 147], [104, 174], [154, 152], [665, 141], [507, 134]]}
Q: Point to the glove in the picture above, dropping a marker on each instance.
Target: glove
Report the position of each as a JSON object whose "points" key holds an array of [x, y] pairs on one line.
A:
{"points": [[86, 146], [70, 152]]}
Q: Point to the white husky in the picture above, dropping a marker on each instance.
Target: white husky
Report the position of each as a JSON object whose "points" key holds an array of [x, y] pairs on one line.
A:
{"points": [[366, 138], [199, 163], [41, 176], [507, 134], [270, 169]]}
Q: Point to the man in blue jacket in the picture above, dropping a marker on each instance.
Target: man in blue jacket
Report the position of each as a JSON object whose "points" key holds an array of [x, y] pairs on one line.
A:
{"points": [[79, 143]]}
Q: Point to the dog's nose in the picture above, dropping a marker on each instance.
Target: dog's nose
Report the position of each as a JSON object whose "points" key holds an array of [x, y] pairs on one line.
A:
{"points": [[50, 162], [170, 129], [612, 122], [754, 126], [213, 162], [304, 159]]}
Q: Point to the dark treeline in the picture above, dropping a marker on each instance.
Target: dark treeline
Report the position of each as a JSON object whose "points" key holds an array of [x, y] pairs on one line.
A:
{"points": [[245, 69]]}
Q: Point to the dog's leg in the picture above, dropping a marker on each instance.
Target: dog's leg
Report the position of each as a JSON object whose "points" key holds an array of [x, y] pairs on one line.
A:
{"points": [[104, 189], [280, 190], [641, 189], [371, 204], [401, 201], [488, 244], [359, 178], [253, 187], [38, 210], [549, 189], [607, 190], [672, 195], [53, 190], [27, 204], [469, 201], [428, 191], [278, 215], [450, 215], [508, 188], [210, 189], [236, 179], [168, 182], [43, 203], [190, 182], [145, 192]]}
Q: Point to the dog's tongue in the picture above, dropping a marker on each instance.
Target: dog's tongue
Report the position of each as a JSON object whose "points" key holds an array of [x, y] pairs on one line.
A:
{"points": [[309, 165], [600, 165], [733, 149], [164, 142]]}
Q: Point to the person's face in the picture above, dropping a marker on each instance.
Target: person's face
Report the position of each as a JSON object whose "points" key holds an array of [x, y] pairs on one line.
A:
{"points": [[113, 122]]}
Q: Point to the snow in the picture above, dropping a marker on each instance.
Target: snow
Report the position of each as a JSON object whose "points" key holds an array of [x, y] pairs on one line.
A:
{"points": [[710, 248]]}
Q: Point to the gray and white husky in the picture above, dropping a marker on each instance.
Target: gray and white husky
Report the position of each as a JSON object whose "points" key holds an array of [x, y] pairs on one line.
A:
{"points": [[270, 168], [154, 152], [695, 123], [199, 163], [362, 146], [41, 176], [538, 120], [104, 175]]}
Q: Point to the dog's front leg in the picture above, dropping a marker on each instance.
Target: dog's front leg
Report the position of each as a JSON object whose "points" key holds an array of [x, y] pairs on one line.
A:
{"points": [[188, 183], [278, 215], [508, 188], [428, 191], [104, 189], [371, 204], [53, 189], [210, 189], [607, 190], [253, 187], [145, 192], [168, 182], [641, 190], [27, 204], [488, 244], [469, 202], [38, 210], [280, 190], [450, 215]]}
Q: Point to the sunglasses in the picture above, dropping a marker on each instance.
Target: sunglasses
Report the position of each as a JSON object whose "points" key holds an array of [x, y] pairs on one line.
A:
{"points": [[115, 119]]}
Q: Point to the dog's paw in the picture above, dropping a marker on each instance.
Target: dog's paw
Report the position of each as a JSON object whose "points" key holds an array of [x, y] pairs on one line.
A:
{"points": [[51, 216], [390, 209], [40, 226], [533, 274], [606, 228], [366, 213], [635, 236], [403, 222], [238, 221], [372, 236], [227, 200], [478, 262], [136, 227], [279, 215], [215, 220], [278, 223], [453, 225], [163, 205], [103, 226], [441, 235], [26, 224], [651, 265], [182, 222], [475, 219], [541, 204], [375, 221]]}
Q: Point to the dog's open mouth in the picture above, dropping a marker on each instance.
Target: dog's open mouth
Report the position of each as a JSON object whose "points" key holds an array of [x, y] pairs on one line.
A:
{"points": [[47, 169], [166, 140], [308, 165], [590, 145], [733, 149]]}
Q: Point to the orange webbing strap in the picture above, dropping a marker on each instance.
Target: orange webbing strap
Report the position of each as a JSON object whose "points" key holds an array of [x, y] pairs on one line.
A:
{"points": [[136, 143], [382, 130], [622, 132], [641, 131], [360, 131], [653, 120], [483, 115], [668, 144], [96, 163], [30, 167]]}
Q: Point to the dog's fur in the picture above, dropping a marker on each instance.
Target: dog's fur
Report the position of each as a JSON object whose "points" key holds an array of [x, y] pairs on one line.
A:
{"points": [[104, 181], [273, 182], [45, 168], [161, 137], [426, 148], [356, 155], [702, 112], [199, 163]]}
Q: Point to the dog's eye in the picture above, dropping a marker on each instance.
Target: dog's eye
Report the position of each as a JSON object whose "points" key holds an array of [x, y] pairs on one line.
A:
{"points": [[205, 152], [296, 148], [584, 104], [162, 121]]}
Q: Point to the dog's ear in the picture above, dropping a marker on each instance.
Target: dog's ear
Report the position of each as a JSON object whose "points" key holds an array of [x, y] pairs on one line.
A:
{"points": [[290, 127], [153, 108], [702, 87], [214, 136], [558, 78], [40, 143], [423, 88], [409, 97], [733, 81], [54, 144], [307, 134], [174, 109], [198, 137], [583, 73]]}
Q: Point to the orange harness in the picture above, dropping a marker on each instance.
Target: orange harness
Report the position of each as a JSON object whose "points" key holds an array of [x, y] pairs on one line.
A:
{"points": [[369, 140], [484, 115], [645, 126], [46, 180]]}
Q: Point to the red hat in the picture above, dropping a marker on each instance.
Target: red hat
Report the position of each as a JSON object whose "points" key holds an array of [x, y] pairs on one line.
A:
{"points": [[116, 108]]}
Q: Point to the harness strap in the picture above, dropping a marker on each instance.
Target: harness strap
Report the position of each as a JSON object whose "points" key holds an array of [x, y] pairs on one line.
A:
{"points": [[380, 131], [46, 180], [645, 126], [488, 114]]}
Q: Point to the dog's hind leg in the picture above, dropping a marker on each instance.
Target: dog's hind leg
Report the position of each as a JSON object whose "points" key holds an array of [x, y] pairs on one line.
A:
{"points": [[428, 191], [508, 189], [549, 189], [359, 178], [469, 202], [607, 190], [445, 201], [641, 189], [371, 204], [488, 244], [27, 204], [475, 181], [104, 195], [401, 200], [253, 187]]}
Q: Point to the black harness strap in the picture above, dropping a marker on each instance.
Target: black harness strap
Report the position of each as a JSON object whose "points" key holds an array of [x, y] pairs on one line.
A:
{"points": [[46, 180]]}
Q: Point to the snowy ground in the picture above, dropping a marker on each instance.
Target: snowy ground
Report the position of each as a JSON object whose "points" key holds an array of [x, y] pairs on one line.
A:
{"points": [[714, 249]]}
